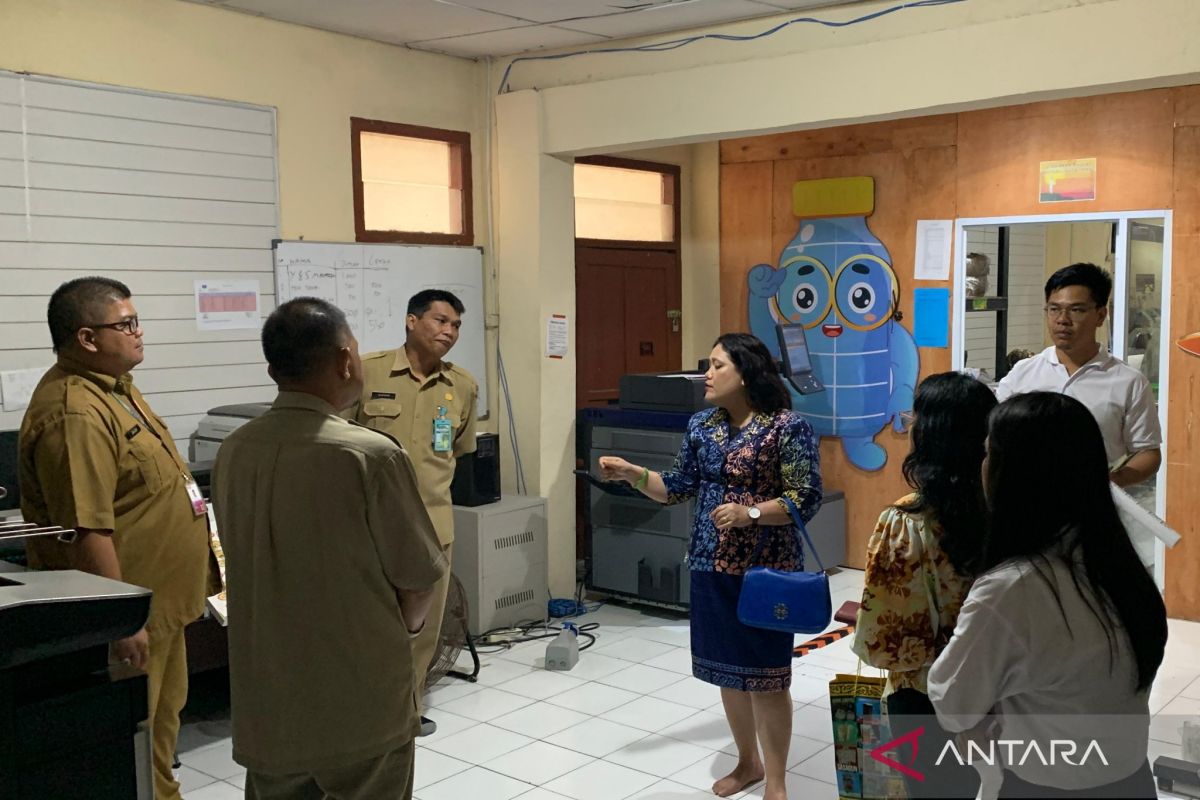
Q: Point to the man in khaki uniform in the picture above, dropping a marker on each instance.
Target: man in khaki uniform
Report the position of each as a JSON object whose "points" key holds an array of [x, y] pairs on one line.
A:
{"points": [[330, 565], [428, 404], [94, 457]]}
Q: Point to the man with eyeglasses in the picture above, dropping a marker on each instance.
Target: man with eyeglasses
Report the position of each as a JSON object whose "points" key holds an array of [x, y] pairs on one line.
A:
{"points": [[1119, 396], [94, 457]]}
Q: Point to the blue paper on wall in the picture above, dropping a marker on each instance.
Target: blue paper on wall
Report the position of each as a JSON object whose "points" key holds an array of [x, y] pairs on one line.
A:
{"points": [[931, 313]]}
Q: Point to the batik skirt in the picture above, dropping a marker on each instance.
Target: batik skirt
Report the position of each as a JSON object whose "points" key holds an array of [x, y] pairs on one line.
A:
{"points": [[727, 653]]}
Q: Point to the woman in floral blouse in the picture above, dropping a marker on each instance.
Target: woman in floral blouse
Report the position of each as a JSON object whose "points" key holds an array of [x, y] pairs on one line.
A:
{"points": [[920, 562], [744, 462]]}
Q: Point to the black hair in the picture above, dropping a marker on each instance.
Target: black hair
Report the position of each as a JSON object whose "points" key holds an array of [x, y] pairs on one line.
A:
{"points": [[79, 303], [420, 302], [1085, 274], [301, 335], [759, 371], [943, 465], [1041, 506]]}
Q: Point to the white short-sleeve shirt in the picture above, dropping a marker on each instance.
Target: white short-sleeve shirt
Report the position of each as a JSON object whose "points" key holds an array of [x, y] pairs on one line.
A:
{"points": [[1118, 396]]}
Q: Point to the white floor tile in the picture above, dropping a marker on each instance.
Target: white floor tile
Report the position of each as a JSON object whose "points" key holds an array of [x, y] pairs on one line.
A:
{"points": [[540, 794], [449, 690], [532, 654], [593, 665], [641, 679], [678, 659], [215, 760], [819, 767], [539, 720], [601, 780], [649, 713], [486, 704], [670, 790], [496, 671], [802, 749], [806, 689], [596, 737], [476, 782], [1165, 725], [658, 755], [540, 684], [479, 743], [592, 698], [447, 725], [705, 772], [706, 729], [538, 763], [189, 779], [218, 791], [238, 780], [813, 722], [1192, 690], [690, 692], [678, 634], [430, 766], [635, 649], [799, 786]]}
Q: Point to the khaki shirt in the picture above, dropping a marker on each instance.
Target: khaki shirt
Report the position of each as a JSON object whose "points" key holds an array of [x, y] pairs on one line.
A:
{"points": [[321, 523], [398, 404], [88, 460]]}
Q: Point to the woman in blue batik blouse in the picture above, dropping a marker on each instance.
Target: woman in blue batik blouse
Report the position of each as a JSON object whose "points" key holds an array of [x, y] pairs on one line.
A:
{"points": [[741, 461]]}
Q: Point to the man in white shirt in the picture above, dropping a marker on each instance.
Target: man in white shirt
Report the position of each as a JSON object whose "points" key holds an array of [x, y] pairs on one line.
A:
{"points": [[1118, 396]]}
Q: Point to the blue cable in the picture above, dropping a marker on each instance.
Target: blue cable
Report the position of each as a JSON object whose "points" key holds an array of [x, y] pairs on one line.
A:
{"points": [[569, 607], [723, 37]]}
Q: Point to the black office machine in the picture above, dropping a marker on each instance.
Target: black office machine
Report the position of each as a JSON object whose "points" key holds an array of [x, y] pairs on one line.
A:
{"points": [[71, 726], [477, 475]]}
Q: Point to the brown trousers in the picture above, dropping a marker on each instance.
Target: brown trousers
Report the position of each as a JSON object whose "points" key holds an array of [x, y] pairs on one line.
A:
{"points": [[425, 646], [167, 678], [385, 777]]}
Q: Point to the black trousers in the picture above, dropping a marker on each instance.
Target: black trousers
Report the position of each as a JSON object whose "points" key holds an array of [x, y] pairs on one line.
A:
{"points": [[909, 709], [1138, 785]]}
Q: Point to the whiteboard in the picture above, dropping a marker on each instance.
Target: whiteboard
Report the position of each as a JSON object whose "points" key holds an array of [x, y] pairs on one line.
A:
{"points": [[371, 284]]}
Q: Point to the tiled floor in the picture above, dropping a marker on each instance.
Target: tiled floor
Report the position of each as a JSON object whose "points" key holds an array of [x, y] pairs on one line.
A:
{"points": [[629, 722]]}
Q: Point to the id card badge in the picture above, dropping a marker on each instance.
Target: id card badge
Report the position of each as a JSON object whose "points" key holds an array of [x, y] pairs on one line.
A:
{"points": [[443, 432], [199, 507]]}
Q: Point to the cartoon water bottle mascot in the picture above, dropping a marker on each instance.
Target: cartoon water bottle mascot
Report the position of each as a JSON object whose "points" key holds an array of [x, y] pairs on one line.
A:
{"points": [[836, 279]]}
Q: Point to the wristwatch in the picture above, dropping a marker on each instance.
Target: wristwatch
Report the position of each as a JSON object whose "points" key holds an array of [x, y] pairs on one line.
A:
{"points": [[754, 512]]}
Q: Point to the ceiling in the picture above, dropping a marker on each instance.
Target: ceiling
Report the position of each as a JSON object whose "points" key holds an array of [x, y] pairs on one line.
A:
{"points": [[477, 28]]}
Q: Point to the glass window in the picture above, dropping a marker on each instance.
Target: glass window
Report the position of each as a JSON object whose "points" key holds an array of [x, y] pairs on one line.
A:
{"points": [[624, 204], [411, 184]]}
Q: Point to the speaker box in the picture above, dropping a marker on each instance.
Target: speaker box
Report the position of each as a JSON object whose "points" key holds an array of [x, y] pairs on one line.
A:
{"points": [[477, 475]]}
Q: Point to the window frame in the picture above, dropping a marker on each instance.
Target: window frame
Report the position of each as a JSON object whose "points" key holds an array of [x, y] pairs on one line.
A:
{"points": [[460, 168], [671, 171]]}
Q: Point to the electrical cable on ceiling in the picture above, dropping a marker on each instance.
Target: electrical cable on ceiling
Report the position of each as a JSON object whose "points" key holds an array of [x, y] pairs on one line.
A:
{"points": [[674, 44]]}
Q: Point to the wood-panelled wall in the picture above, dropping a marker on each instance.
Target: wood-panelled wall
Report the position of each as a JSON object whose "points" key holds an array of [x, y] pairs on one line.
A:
{"points": [[985, 163]]}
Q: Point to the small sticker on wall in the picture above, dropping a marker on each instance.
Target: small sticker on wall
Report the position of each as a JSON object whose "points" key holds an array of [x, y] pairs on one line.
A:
{"points": [[556, 336], [1067, 181]]}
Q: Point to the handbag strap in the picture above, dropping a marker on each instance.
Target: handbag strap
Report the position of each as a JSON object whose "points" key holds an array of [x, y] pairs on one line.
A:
{"points": [[799, 523]]}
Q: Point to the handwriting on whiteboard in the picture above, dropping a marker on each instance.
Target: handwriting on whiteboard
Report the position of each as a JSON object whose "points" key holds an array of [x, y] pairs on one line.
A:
{"points": [[362, 292]]}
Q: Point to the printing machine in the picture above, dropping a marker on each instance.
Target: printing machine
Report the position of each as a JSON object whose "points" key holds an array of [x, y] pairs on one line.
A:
{"points": [[72, 727], [218, 423]]}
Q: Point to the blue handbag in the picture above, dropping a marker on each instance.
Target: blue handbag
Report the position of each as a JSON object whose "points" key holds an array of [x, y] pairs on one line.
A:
{"points": [[777, 600]]}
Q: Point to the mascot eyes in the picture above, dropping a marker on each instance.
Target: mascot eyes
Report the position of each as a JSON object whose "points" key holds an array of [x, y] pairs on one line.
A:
{"points": [[805, 297], [861, 297]]}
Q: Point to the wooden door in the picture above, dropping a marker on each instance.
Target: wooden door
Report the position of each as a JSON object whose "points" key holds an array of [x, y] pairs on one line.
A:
{"points": [[623, 297]]}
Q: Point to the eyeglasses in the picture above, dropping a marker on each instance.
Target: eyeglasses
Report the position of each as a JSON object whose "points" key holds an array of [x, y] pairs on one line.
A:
{"points": [[1074, 312], [128, 326]]}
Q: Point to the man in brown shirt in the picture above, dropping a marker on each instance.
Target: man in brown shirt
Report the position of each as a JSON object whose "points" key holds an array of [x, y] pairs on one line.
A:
{"points": [[330, 563], [94, 457], [428, 405]]}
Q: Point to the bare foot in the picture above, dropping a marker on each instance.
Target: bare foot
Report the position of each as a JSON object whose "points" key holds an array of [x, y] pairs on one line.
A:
{"points": [[775, 793], [743, 775]]}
